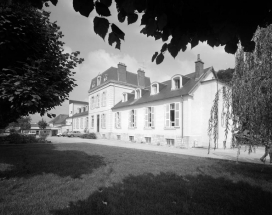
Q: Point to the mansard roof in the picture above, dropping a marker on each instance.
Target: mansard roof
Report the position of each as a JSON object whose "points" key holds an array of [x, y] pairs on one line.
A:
{"points": [[165, 92], [85, 113], [60, 119], [112, 75]]}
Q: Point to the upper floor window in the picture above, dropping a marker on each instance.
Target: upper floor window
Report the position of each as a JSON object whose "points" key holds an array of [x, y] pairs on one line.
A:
{"points": [[132, 118], [104, 99], [149, 117], [98, 80], [97, 101], [172, 115], [118, 120]]}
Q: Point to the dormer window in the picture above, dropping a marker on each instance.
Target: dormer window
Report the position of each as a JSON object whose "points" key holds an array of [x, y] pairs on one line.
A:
{"points": [[105, 77], [125, 97], [98, 80], [137, 94], [176, 82], [154, 89]]}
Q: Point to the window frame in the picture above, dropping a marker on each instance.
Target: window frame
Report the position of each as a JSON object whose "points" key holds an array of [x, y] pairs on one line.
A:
{"points": [[133, 118], [167, 117], [150, 117], [118, 119]]}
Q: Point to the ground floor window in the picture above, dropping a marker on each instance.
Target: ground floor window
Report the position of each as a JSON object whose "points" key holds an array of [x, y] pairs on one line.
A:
{"points": [[92, 121], [118, 137], [131, 138], [148, 139], [172, 115], [104, 136], [170, 142]]}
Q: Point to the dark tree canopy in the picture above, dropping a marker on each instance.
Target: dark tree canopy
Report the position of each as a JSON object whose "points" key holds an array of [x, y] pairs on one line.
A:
{"points": [[35, 74], [225, 75], [182, 22]]}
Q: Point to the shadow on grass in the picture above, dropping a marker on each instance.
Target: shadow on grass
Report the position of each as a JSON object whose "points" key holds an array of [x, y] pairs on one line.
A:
{"points": [[169, 193], [29, 160]]}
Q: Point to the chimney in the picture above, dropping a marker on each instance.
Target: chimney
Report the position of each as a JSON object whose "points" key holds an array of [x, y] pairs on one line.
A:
{"points": [[122, 72], [141, 78], [198, 67]]}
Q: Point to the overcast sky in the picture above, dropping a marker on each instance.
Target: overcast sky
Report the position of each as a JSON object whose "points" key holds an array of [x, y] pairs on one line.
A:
{"points": [[136, 52]]}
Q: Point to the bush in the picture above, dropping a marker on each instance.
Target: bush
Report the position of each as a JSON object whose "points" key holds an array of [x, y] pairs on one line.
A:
{"points": [[89, 136], [16, 138], [42, 137]]}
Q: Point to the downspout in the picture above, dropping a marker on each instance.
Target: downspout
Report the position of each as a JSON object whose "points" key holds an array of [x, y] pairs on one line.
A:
{"points": [[182, 118]]}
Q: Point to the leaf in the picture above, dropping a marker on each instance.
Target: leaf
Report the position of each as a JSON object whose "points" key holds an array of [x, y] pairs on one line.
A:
{"points": [[160, 58], [164, 47], [84, 7], [106, 2], [154, 56], [132, 18], [54, 2], [121, 17], [145, 19], [117, 31], [151, 27], [102, 9], [162, 21], [194, 42], [140, 5], [114, 38], [231, 48], [101, 26]]}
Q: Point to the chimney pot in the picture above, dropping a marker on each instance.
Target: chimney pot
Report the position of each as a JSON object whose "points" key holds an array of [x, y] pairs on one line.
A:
{"points": [[198, 67]]}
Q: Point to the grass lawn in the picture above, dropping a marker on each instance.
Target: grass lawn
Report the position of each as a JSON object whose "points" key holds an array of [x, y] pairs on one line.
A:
{"points": [[93, 179]]}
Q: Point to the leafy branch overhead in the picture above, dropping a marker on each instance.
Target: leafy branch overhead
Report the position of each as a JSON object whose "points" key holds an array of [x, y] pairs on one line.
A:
{"points": [[180, 23]]}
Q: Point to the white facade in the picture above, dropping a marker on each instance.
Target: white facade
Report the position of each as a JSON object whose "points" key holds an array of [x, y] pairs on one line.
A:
{"points": [[191, 112], [101, 101]]}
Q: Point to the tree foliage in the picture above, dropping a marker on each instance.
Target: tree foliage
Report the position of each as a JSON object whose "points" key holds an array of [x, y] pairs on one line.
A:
{"points": [[247, 101], [42, 124], [179, 23], [22, 122], [225, 75], [35, 74]]}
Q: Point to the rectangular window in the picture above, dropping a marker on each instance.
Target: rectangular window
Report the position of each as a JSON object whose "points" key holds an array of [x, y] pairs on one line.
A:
{"points": [[104, 136], [172, 115], [103, 121], [81, 123], [154, 88], [149, 117], [97, 101], [177, 83], [86, 122], [92, 122], [131, 138], [118, 120], [104, 99], [118, 137], [170, 142], [132, 119], [77, 123], [148, 139]]}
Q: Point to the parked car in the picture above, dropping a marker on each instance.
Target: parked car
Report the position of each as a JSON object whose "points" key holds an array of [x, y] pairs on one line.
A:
{"points": [[59, 134], [74, 134], [64, 134]]}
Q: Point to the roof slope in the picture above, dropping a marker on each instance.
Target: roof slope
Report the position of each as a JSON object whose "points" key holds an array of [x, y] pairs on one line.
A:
{"points": [[165, 93], [111, 74], [80, 114], [60, 119], [78, 102]]}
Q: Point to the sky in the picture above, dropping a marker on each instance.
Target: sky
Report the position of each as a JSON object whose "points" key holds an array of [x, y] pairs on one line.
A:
{"points": [[136, 52]]}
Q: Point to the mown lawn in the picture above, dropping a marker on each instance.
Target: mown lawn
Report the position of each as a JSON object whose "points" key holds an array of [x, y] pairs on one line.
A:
{"points": [[92, 179]]}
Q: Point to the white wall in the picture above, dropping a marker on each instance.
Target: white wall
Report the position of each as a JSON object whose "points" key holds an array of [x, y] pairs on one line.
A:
{"points": [[157, 134]]}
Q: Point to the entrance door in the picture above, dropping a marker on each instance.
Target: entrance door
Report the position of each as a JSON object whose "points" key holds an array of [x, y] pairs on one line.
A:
{"points": [[98, 120]]}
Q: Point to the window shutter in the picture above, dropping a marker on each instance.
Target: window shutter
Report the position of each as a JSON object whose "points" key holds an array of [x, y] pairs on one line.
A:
{"points": [[116, 120], [177, 114], [152, 117], [105, 102], [119, 121], [167, 116], [105, 120], [129, 118], [146, 117], [135, 118]]}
